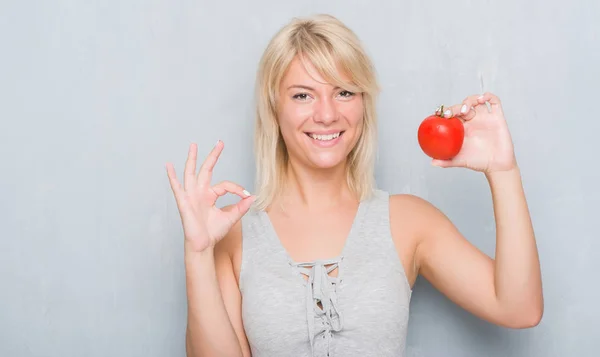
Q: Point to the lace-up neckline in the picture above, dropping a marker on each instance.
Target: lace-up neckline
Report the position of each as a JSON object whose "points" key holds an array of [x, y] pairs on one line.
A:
{"points": [[327, 318], [354, 303], [323, 315]]}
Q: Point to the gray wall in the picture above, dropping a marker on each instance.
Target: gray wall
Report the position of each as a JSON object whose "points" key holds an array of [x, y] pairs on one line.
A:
{"points": [[97, 96]]}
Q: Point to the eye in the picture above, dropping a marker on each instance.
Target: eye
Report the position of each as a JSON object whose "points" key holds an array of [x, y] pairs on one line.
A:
{"points": [[301, 96], [346, 94]]}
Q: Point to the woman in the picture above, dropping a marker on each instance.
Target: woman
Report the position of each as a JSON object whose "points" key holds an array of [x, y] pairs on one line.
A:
{"points": [[325, 263]]}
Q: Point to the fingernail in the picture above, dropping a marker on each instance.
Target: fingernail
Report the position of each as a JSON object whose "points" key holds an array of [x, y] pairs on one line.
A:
{"points": [[447, 113], [218, 141], [246, 193], [463, 109], [480, 97]]}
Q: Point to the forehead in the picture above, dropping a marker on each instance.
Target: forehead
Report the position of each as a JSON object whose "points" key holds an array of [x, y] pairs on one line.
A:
{"points": [[305, 72]]}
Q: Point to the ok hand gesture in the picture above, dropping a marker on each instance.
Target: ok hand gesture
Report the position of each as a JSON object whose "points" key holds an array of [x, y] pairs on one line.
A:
{"points": [[203, 223]]}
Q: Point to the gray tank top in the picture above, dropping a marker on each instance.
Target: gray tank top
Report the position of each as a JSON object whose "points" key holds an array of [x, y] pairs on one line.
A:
{"points": [[362, 312]]}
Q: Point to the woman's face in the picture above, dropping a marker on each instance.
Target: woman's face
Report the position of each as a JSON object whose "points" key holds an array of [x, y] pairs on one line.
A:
{"points": [[319, 122]]}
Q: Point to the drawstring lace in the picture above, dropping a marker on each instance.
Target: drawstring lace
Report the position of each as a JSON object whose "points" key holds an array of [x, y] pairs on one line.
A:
{"points": [[321, 288]]}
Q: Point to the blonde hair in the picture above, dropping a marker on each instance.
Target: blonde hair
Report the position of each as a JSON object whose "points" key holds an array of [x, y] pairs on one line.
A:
{"points": [[328, 45]]}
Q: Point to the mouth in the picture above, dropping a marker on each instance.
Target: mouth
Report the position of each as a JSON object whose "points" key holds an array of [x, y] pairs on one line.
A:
{"points": [[325, 137]]}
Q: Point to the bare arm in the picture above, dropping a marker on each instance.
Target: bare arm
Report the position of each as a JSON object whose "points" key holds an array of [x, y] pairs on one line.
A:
{"points": [[218, 290], [506, 291], [517, 275], [209, 330], [214, 322]]}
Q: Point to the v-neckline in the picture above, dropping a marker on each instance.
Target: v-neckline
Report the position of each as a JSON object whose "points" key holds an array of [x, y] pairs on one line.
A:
{"points": [[354, 227]]}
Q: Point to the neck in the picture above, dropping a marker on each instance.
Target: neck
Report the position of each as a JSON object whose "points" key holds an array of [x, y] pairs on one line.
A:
{"points": [[315, 189]]}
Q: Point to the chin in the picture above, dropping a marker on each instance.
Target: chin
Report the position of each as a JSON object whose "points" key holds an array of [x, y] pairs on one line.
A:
{"points": [[327, 161]]}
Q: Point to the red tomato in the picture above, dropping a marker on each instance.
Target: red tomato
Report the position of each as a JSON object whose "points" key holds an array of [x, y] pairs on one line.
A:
{"points": [[441, 138]]}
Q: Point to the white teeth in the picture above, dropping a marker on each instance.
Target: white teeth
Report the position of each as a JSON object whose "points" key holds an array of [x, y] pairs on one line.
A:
{"points": [[325, 137]]}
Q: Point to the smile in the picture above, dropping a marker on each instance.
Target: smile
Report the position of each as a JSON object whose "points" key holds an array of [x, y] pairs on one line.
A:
{"points": [[325, 137]]}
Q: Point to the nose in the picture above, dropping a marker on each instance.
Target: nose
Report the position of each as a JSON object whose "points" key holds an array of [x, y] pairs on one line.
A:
{"points": [[325, 111]]}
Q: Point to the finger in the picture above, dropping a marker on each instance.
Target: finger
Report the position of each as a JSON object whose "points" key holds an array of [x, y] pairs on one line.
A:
{"points": [[489, 97], [444, 111], [491, 101], [190, 167], [205, 174], [175, 185], [468, 109], [225, 187], [452, 111], [441, 163], [457, 111], [447, 163], [237, 211]]}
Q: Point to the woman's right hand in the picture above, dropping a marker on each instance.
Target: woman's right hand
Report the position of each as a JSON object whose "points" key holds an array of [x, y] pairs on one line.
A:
{"points": [[203, 223]]}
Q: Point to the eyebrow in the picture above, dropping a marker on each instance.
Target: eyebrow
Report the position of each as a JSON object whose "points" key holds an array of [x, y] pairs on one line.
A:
{"points": [[304, 87]]}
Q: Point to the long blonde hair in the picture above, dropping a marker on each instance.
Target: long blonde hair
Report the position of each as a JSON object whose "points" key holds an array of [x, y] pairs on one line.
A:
{"points": [[328, 45]]}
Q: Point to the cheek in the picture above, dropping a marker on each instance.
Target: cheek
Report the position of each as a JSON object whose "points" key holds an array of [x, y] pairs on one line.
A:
{"points": [[297, 114], [291, 117], [289, 120], [354, 114]]}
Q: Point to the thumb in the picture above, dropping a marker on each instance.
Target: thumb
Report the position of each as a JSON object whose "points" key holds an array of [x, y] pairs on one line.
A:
{"points": [[442, 163], [457, 161], [239, 209]]}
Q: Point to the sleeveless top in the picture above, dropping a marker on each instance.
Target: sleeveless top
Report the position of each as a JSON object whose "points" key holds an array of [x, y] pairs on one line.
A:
{"points": [[297, 309]]}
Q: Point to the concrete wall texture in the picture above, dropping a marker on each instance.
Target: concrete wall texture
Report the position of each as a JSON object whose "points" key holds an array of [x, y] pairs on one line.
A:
{"points": [[96, 96]]}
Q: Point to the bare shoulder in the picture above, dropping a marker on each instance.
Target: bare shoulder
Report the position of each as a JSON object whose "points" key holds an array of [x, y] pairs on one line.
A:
{"points": [[413, 211]]}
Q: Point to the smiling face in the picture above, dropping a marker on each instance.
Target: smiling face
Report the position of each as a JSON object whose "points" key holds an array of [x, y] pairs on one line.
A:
{"points": [[320, 122]]}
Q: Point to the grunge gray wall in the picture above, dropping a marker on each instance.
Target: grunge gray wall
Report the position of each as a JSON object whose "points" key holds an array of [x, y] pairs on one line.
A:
{"points": [[96, 96]]}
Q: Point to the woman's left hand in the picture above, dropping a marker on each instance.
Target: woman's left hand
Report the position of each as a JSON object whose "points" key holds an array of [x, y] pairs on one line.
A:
{"points": [[487, 145]]}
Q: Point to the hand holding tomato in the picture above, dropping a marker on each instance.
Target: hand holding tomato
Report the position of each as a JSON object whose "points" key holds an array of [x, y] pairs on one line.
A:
{"points": [[486, 144]]}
